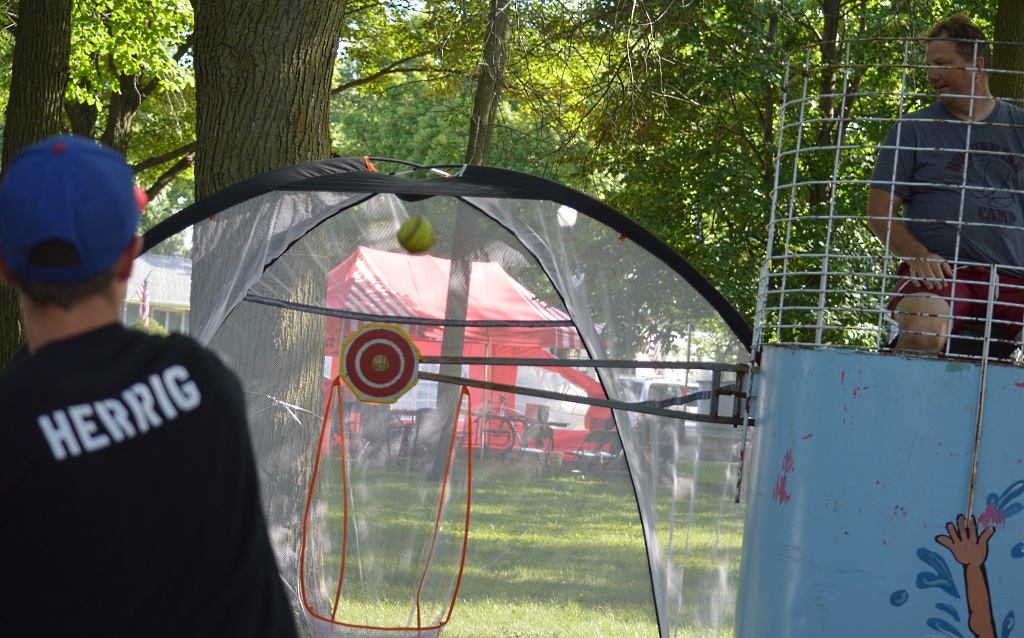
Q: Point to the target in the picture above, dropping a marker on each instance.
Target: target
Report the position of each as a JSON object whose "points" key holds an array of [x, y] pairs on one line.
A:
{"points": [[380, 363]]}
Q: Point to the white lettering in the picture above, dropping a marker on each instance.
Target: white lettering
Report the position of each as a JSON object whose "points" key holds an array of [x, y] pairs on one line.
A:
{"points": [[114, 417], [93, 426], [182, 389], [88, 432], [160, 393], [60, 437], [138, 412], [140, 400]]}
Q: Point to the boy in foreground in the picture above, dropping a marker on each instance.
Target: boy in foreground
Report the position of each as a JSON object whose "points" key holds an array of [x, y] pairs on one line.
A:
{"points": [[128, 494]]}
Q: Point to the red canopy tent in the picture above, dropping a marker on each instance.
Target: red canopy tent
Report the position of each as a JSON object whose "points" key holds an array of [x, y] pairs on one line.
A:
{"points": [[398, 285]]}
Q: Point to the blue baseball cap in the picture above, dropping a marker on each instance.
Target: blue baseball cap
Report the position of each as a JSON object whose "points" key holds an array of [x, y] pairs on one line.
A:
{"points": [[67, 189]]}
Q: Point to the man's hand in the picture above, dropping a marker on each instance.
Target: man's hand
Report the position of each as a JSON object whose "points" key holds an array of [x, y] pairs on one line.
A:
{"points": [[927, 269], [931, 271]]}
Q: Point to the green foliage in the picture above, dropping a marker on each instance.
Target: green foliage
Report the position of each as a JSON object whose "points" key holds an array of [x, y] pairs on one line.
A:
{"points": [[111, 39], [668, 115], [166, 123], [668, 112], [155, 328], [178, 195], [412, 122], [125, 47], [405, 122]]}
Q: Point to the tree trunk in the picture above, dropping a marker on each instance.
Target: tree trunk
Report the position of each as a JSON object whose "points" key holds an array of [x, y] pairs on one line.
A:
{"points": [[489, 82], [1008, 52], [39, 74], [82, 118], [481, 127], [39, 77], [263, 79], [124, 106]]}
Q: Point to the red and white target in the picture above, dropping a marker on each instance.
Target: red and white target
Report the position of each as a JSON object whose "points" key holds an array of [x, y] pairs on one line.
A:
{"points": [[380, 363]]}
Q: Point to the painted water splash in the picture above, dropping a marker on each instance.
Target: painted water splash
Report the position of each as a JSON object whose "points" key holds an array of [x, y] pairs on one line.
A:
{"points": [[949, 609], [940, 576], [943, 627], [1000, 507]]}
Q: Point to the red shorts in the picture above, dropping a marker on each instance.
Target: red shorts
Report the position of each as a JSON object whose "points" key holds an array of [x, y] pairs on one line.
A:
{"points": [[970, 287]]}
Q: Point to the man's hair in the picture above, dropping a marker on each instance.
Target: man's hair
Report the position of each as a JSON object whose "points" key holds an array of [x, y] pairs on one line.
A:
{"points": [[967, 37], [61, 253]]}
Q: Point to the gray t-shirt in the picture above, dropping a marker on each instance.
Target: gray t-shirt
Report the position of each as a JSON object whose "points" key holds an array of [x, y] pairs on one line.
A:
{"points": [[923, 161]]}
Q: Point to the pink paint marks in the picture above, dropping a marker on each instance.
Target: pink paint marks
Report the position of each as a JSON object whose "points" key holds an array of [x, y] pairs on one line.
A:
{"points": [[807, 436], [1019, 385], [780, 495], [992, 517], [787, 462]]}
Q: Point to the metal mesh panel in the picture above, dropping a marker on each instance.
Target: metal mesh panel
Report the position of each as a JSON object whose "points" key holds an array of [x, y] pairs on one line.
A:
{"points": [[826, 279]]}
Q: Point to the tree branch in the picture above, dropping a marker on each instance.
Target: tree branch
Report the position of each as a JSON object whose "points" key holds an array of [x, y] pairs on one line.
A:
{"points": [[171, 174], [188, 149], [389, 69]]}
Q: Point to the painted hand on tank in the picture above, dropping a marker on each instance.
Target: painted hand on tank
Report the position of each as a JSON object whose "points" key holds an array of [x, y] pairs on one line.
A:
{"points": [[963, 541], [970, 550]]}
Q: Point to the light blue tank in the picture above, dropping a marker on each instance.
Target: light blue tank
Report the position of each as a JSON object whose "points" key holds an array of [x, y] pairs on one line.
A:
{"points": [[861, 461]]}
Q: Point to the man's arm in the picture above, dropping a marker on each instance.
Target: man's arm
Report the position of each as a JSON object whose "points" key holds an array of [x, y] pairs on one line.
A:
{"points": [[926, 267]]}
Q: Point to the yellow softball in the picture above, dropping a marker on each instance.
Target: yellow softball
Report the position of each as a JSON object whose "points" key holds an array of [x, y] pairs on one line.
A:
{"points": [[416, 234]]}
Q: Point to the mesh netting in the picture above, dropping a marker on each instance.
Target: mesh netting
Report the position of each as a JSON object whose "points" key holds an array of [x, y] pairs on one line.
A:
{"points": [[577, 409]]}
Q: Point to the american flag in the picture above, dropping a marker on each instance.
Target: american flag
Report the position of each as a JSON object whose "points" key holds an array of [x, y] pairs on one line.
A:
{"points": [[143, 294]]}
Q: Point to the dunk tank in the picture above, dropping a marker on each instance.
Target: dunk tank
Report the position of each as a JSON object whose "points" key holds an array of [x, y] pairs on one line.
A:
{"points": [[533, 428], [865, 458]]}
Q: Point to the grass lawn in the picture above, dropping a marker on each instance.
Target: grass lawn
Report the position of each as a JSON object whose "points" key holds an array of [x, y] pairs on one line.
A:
{"points": [[549, 554]]}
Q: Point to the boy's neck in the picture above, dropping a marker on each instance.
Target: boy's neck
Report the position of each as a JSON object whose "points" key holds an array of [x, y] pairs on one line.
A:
{"points": [[50, 323]]}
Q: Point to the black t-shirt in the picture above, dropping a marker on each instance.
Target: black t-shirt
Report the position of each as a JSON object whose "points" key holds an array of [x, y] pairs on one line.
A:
{"points": [[128, 495]]}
